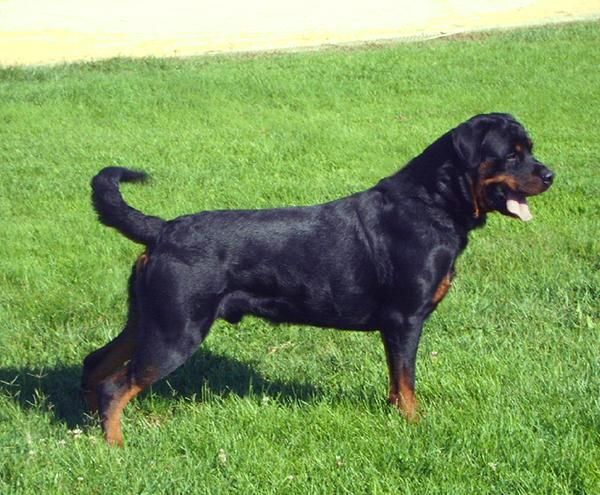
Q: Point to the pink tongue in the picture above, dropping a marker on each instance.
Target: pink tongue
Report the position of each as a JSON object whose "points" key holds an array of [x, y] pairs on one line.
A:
{"points": [[518, 206]]}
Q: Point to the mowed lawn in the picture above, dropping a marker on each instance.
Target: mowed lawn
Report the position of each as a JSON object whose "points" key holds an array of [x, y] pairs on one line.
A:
{"points": [[508, 370]]}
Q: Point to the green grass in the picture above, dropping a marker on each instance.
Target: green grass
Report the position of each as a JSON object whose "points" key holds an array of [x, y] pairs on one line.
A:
{"points": [[508, 371]]}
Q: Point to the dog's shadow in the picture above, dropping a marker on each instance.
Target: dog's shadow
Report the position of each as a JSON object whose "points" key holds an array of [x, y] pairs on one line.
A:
{"points": [[55, 391]]}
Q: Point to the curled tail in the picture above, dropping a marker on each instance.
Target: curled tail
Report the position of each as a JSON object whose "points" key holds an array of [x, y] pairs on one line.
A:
{"points": [[113, 211]]}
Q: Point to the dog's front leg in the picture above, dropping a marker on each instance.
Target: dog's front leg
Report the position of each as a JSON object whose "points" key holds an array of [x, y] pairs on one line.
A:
{"points": [[401, 340]]}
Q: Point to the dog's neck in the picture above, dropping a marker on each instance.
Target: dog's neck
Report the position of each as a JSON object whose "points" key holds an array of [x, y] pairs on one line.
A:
{"points": [[446, 188]]}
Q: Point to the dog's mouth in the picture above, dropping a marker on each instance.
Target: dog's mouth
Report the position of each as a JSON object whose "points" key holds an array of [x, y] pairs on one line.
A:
{"points": [[509, 202], [517, 206], [508, 194]]}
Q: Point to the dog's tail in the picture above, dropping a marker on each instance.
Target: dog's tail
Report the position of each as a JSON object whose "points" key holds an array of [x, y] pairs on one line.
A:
{"points": [[113, 211]]}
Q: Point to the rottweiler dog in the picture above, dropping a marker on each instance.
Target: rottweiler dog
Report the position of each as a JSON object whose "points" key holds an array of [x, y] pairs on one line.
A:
{"points": [[378, 260]]}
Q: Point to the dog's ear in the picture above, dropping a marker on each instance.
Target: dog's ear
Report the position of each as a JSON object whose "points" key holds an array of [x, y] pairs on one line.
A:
{"points": [[468, 137], [466, 145]]}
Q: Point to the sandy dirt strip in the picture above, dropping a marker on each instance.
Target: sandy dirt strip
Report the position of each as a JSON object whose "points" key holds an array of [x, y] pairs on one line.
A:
{"points": [[53, 31]]}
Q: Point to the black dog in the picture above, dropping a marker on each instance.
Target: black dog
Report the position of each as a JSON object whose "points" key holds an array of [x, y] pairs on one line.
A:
{"points": [[379, 260]]}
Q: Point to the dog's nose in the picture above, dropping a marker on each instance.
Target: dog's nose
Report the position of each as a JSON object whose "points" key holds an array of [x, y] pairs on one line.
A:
{"points": [[547, 176]]}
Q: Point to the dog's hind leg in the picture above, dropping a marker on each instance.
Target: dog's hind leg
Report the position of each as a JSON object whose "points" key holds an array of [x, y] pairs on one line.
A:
{"points": [[109, 358], [161, 349], [105, 361]]}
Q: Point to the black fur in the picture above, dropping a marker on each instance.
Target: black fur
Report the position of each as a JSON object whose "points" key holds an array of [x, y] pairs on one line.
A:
{"points": [[381, 259], [114, 212]]}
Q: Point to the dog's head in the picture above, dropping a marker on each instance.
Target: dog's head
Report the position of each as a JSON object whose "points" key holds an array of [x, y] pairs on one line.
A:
{"points": [[496, 151]]}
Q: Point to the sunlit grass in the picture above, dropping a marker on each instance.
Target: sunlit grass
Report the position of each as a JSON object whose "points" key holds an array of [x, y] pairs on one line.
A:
{"points": [[508, 366]]}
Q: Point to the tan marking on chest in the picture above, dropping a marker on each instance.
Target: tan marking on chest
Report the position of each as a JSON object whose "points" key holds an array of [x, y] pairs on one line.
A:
{"points": [[141, 261], [442, 289]]}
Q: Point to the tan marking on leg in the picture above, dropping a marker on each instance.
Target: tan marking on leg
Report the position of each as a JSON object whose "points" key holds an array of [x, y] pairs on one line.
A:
{"points": [[112, 416], [394, 391], [402, 395], [116, 356], [394, 394], [407, 402]]}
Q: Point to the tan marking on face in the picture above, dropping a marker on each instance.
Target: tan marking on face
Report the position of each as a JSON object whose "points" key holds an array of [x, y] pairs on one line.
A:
{"points": [[507, 180], [477, 189], [476, 199]]}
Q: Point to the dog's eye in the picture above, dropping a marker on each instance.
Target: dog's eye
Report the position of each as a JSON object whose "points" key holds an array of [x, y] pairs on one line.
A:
{"points": [[512, 157]]}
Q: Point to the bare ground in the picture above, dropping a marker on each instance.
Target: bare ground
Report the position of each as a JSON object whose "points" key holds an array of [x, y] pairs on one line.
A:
{"points": [[34, 32]]}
